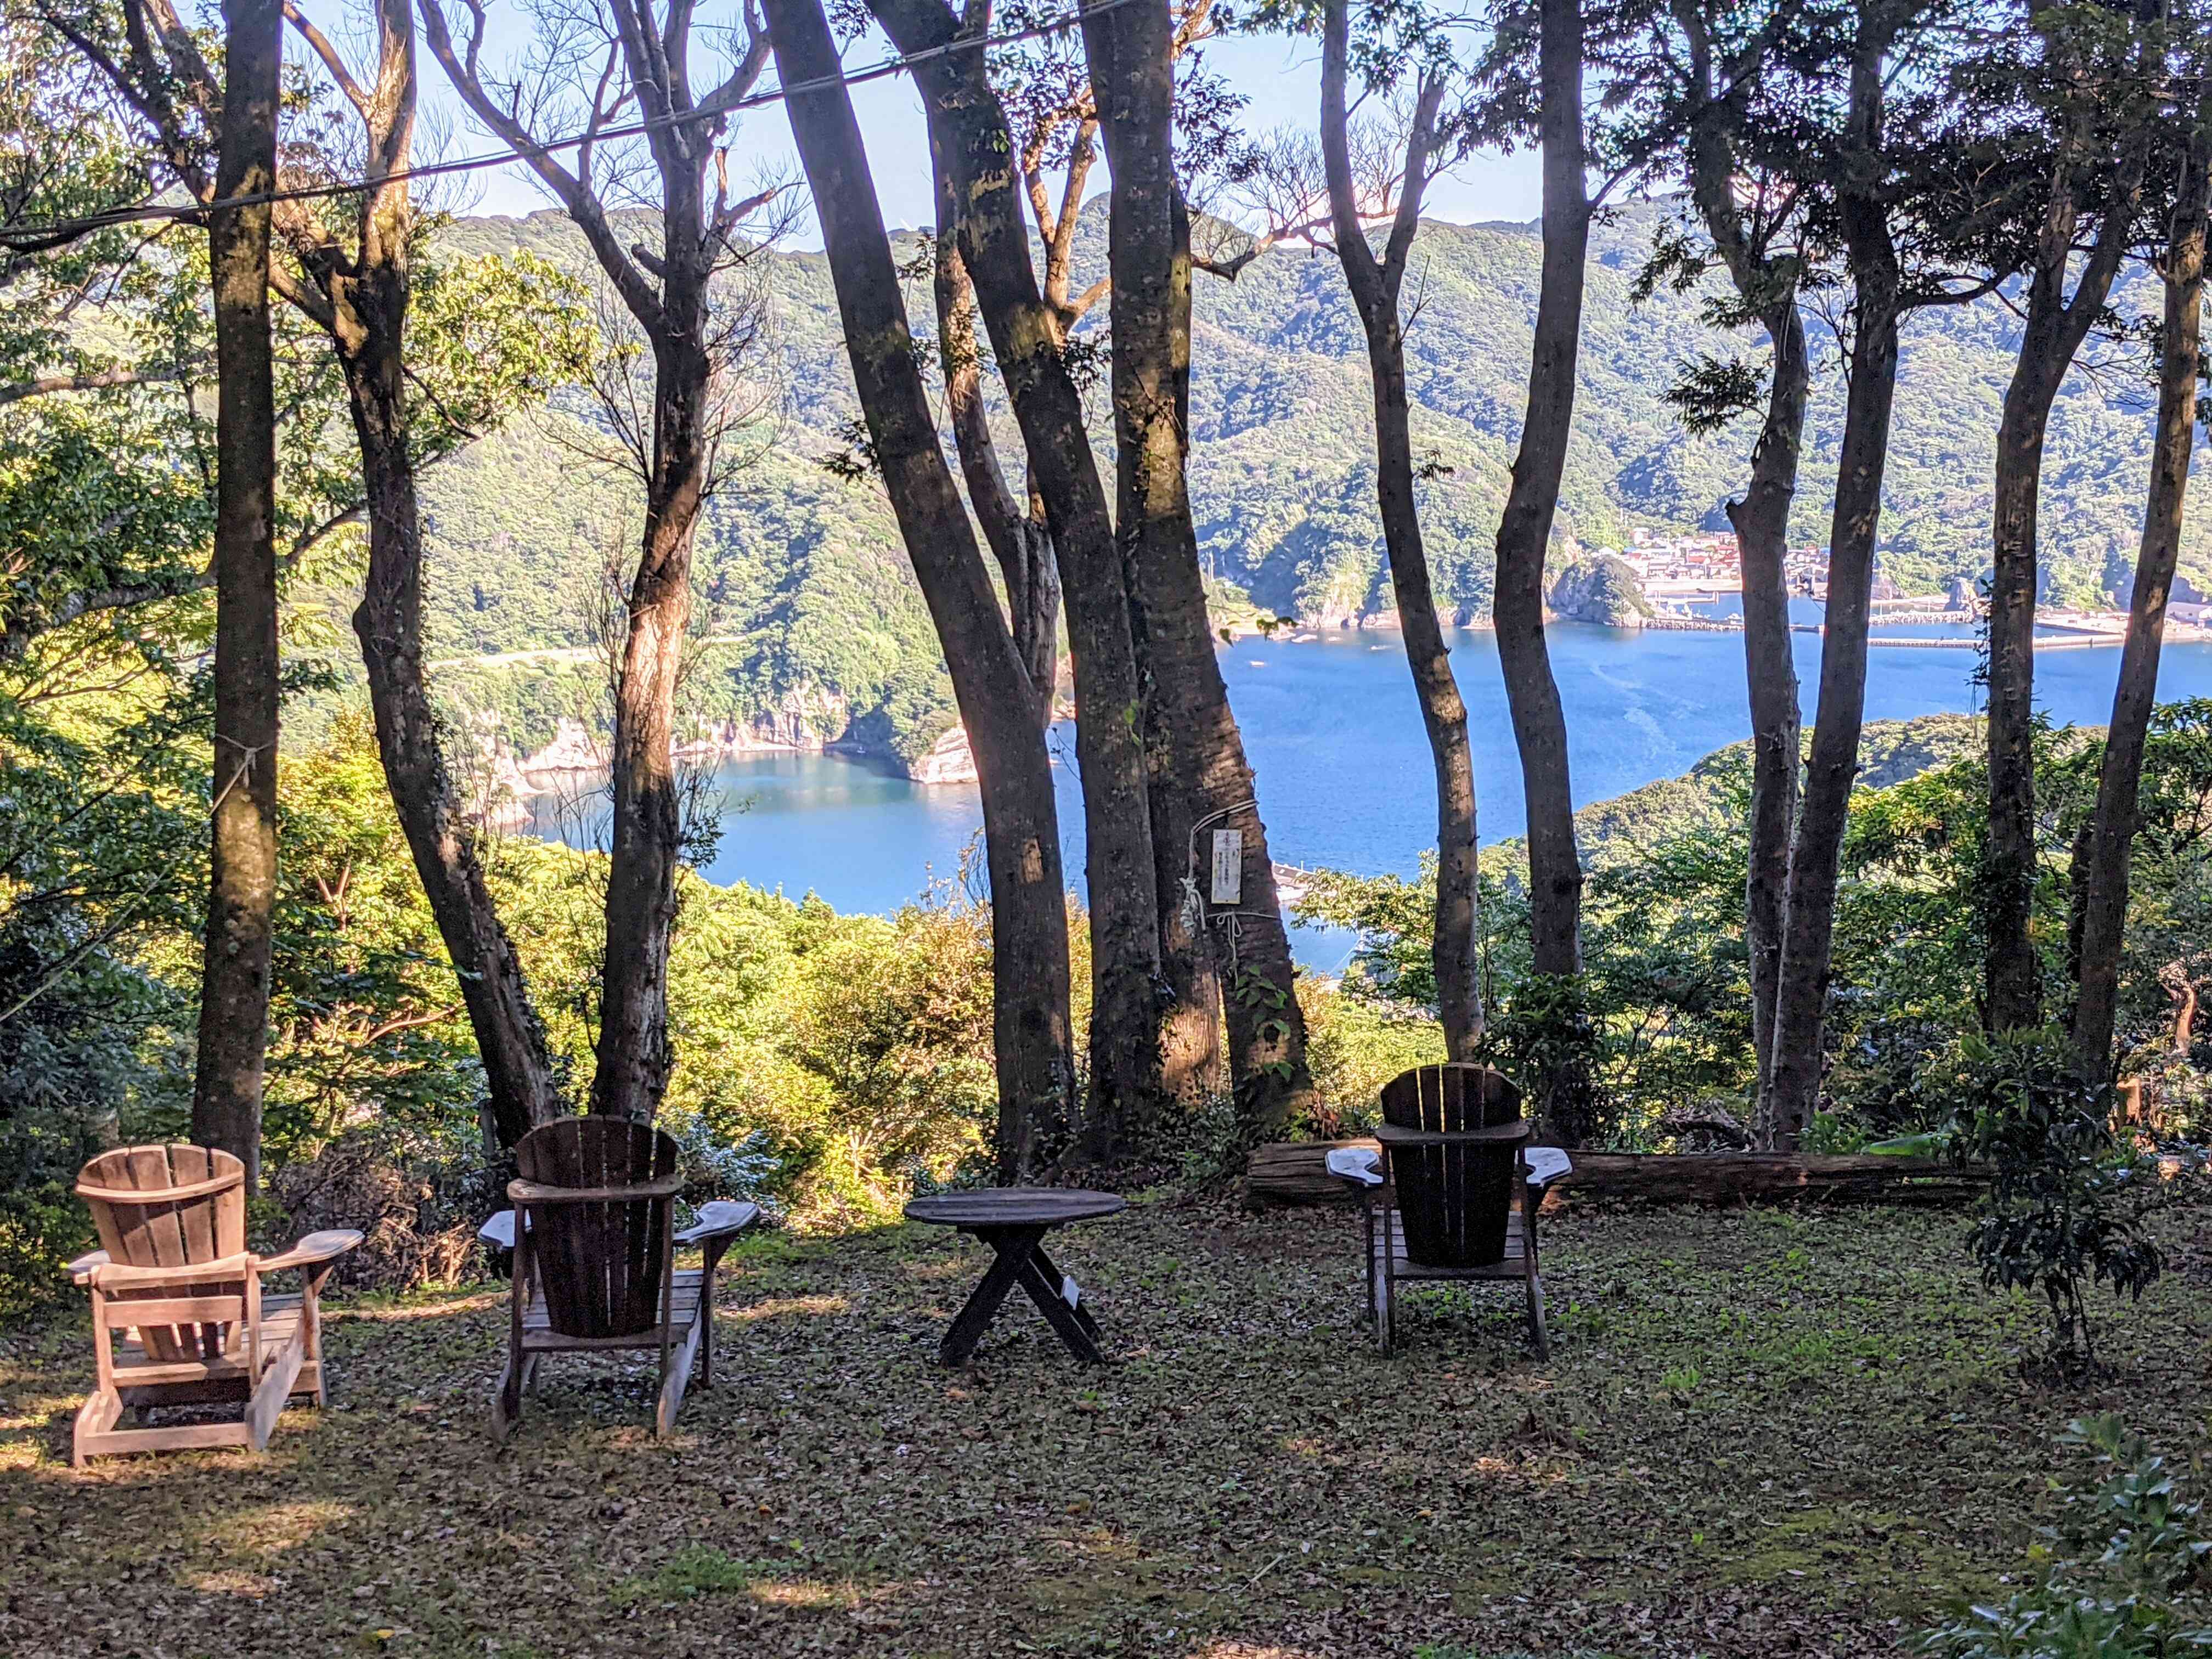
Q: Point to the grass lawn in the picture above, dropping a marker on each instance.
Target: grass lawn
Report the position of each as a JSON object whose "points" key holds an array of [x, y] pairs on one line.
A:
{"points": [[1760, 1433]]}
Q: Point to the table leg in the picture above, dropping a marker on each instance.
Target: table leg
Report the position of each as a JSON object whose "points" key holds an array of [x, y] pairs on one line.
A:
{"points": [[1056, 1279], [1013, 1245], [1076, 1330]]}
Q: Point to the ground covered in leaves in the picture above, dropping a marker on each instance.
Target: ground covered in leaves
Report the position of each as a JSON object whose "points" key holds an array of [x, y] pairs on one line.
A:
{"points": [[1760, 1433]]}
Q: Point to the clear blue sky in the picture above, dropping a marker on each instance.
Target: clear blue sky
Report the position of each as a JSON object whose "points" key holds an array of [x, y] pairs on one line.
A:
{"points": [[1278, 74]]}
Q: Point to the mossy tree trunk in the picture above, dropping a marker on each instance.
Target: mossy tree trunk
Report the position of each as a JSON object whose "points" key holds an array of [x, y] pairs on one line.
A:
{"points": [[1199, 779]]}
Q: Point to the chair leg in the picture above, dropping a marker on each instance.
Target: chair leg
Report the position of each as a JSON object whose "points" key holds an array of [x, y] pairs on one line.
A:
{"points": [[507, 1404], [676, 1371], [1386, 1315], [97, 1416], [1536, 1332], [707, 1334], [310, 1325]]}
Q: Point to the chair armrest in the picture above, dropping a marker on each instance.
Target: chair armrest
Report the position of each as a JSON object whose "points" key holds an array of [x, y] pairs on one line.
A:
{"points": [[123, 1276], [1545, 1165], [533, 1192], [1355, 1165], [313, 1251], [81, 1270], [720, 1220]]}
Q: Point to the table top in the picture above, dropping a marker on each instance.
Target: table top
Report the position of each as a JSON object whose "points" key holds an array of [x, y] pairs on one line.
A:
{"points": [[1013, 1206]]}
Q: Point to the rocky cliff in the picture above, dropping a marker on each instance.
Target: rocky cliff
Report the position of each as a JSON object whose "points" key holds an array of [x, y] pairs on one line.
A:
{"points": [[1601, 588]]}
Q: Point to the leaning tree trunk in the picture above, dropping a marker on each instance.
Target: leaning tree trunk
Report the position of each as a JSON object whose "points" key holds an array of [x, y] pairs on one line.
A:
{"points": [[1200, 781], [1021, 834], [234, 1025], [1762, 529], [2111, 836], [1020, 541], [973, 152], [518, 1071], [1524, 534], [1801, 995], [2053, 331]]}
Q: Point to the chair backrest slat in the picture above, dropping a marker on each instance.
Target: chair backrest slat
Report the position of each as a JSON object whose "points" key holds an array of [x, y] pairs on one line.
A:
{"points": [[186, 1205], [600, 1263], [1454, 1201]]}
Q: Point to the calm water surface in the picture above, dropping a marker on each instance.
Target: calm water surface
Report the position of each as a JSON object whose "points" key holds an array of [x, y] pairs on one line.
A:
{"points": [[1335, 737]]}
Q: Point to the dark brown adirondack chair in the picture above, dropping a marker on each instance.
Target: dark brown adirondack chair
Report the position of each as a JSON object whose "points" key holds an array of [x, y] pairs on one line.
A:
{"points": [[175, 1280], [1457, 1201], [595, 1258]]}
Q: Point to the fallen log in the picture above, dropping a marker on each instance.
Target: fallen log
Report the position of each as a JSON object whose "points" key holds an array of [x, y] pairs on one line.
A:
{"points": [[1296, 1172]]}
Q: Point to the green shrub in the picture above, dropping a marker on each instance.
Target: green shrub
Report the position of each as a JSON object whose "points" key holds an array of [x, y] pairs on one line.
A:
{"points": [[2121, 1576], [1355, 1045], [2067, 1203]]}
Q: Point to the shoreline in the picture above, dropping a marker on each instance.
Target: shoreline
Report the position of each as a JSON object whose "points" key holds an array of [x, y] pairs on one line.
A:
{"points": [[571, 763]]}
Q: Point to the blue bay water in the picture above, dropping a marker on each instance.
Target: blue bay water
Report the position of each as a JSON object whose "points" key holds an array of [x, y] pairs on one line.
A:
{"points": [[1335, 739]]}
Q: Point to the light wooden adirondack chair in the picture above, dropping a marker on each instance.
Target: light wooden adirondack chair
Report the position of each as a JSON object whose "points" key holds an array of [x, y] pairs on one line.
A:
{"points": [[595, 1258], [1457, 1201], [176, 1280]]}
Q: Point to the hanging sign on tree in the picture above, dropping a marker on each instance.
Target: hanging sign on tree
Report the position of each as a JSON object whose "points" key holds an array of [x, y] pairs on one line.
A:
{"points": [[1227, 865]]}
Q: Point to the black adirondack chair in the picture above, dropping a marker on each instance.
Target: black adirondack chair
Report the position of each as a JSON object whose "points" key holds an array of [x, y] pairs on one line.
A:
{"points": [[1456, 1200], [594, 1258]]}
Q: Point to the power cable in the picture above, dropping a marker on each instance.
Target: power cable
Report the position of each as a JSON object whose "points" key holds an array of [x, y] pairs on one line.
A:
{"points": [[31, 237]]}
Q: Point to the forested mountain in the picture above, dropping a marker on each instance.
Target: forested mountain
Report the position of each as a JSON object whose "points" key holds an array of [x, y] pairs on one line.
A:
{"points": [[807, 590]]}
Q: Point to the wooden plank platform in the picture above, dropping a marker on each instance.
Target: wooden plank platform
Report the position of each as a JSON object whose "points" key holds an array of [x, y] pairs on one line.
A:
{"points": [[1293, 1173], [539, 1335], [192, 1381], [1514, 1266]]}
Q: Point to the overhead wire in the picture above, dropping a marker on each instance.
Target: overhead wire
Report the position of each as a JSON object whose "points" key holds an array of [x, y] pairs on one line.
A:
{"points": [[140, 213]]}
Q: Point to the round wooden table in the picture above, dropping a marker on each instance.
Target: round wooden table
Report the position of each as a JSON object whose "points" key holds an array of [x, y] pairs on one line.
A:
{"points": [[1013, 1221]]}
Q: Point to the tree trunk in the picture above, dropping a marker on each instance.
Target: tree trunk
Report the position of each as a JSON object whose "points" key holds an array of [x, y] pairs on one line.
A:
{"points": [[1029, 916], [972, 151], [367, 299], [1802, 993], [634, 1057], [1200, 781], [2104, 906], [1020, 541], [2052, 331], [234, 1025], [1761, 520], [668, 294], [1458, 969], [1524, 534], [1376, 286], [517, 1071], [1762, 529], [2012, 983]]}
